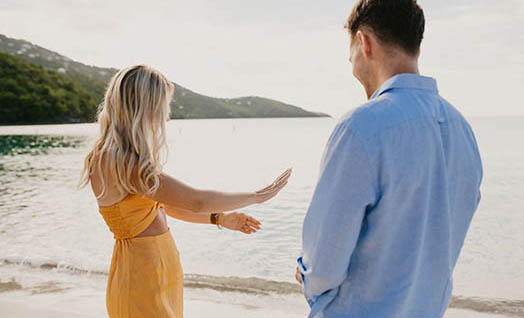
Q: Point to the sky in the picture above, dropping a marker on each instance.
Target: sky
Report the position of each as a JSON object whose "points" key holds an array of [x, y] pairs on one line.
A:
{"points": [[290, 50]]}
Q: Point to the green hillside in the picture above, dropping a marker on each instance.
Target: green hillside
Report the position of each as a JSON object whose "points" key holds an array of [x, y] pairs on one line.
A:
{"points": [[186, 104], [31, 94]]}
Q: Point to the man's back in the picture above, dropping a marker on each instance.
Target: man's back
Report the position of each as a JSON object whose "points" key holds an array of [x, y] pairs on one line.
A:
{"points": [[423, 174]]}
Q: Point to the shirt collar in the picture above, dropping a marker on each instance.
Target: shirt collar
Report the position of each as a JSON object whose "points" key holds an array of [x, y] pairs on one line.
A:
{"points": [[407, 80]]}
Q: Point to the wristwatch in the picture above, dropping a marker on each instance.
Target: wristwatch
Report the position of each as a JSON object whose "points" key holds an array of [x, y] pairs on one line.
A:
{"points": [[214, 220]]}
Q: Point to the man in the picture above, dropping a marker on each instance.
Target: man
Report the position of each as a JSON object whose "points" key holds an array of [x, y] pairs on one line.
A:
{"points": [[398, 185]]}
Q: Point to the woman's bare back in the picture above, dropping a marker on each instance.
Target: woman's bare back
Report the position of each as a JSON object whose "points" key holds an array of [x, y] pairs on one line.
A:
{"points": [[113, 196]]}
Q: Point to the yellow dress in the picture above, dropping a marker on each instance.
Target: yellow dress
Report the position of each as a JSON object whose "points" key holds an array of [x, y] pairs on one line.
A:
{"points": [[145, 277]]}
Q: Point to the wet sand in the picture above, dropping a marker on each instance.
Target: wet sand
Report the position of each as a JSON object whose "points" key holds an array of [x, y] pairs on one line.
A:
{"points": [[193, 309]]}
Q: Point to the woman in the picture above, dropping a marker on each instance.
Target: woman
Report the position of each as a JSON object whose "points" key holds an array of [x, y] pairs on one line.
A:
{"points": [[124, 168]]}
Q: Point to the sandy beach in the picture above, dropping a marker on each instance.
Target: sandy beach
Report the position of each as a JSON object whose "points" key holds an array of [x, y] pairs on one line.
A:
{"points": [[194, 309]]}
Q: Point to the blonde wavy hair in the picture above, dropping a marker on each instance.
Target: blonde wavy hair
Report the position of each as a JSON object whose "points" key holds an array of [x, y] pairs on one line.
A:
{"points": [[132, 136]]}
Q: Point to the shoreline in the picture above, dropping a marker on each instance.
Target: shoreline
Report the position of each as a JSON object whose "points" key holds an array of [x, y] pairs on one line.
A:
{"points": [[72, 288], [183, 119]]}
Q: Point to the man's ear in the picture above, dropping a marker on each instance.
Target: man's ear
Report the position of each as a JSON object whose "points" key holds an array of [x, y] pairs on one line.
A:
{"points": [[364, 41]]}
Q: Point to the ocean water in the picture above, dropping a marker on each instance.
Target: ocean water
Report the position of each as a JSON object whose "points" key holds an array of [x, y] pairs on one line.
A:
{"points": [[53, 240]]}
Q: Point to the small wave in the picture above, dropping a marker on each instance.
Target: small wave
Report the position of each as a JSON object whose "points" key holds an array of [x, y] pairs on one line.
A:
{"points": [[51, 266], [494, 306], [261, 286], [9, 286], [248, 285]]}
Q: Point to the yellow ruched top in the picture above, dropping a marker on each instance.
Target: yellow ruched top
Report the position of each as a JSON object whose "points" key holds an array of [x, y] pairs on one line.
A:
{"points": [[130, 216]]}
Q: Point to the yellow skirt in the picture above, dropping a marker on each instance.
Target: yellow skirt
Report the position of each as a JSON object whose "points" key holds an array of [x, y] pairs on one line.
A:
{"points": [[145, 278]]}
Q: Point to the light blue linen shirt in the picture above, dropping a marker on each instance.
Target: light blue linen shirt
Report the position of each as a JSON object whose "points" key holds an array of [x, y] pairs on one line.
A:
{"points": [[399, 184]]}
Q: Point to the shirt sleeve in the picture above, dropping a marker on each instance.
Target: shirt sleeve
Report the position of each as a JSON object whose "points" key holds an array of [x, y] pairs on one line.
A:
{"points": [[345, 189]]}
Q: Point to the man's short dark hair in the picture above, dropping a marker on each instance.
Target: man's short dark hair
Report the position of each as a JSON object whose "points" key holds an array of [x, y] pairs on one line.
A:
{"points": [[397, 22]]}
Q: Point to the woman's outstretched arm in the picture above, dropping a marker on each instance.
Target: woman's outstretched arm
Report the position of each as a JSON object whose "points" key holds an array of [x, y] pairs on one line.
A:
{"points": [[177, 194], [187, 215]]}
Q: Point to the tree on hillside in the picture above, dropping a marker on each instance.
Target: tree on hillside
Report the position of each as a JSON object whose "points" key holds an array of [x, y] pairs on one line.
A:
{"points": [[30, 94]]}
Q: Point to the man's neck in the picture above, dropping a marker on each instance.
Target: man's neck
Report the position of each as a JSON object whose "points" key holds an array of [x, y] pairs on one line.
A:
{"points": [[389, 69]]}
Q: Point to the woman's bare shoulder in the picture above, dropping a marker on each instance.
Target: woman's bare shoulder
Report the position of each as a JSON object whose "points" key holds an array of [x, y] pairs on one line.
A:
{"points": [[102, 174]]}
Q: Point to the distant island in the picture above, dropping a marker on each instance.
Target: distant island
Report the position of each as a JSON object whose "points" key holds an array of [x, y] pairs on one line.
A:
{"points": [[41, 86]]}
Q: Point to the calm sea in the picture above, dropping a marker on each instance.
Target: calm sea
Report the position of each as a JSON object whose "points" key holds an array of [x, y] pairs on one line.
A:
{"points": [[53, 239]]}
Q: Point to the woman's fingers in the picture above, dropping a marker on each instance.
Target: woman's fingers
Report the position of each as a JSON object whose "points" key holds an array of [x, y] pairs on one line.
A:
{"points": [[253, 225], [265, 189], [281, 180], [252, 219], [273, 187], [286, 174], [249, 227], [271, 193], [247, 230], [264, 196], [278, 181], [281, 185]]}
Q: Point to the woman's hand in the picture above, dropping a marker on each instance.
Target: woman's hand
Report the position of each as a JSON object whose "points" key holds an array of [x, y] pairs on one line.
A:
{"points": [[239, 222], [271, 190]]}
